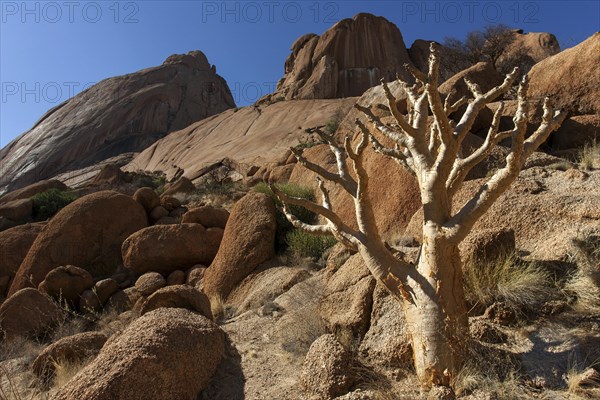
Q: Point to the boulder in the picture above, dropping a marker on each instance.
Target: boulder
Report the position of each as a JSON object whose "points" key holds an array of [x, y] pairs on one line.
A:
{"points": [[387, 342], [147, 197], [166, 248], [194, 275], [88, 233], [14, 246], [347, 300], [487, 245], [263, 285], [170, 203], [28, 313], [33, 189], [182, 185], [124, 300], [158, 213], [325, 372], [569, 78], [207, 216], [71, 349], [17, 210], [392, 212], [176, 278], [66, 283], [149, 283], [89, 301], [115, 116], [349, 58], [576, 132], [110, 174], [178, 296], [105, 288], [168, 353], [248, 241]]}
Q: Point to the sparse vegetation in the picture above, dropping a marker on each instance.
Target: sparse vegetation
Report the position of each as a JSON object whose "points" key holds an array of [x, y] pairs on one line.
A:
{"points": [[48, 203], [510, 280], [221, 310], [155, 181], [307, 245], [589, 157]]}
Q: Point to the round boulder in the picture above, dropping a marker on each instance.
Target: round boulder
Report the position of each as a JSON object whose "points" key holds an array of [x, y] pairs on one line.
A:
{"points": [[72, 349], [149, 283], [88, 233], [178, 296], [28, 313], [14, 246], [325, 372], [207, 216], [166, 248], [248, 241], [66, 283], [168, 353], [147, 197]]}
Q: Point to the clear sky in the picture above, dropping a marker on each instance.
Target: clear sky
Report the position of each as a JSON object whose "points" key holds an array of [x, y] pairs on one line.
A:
{"points": [[50, 50]]}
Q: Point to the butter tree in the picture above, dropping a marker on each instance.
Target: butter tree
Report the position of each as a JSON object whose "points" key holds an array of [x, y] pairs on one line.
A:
{"points": [[431, 290]]}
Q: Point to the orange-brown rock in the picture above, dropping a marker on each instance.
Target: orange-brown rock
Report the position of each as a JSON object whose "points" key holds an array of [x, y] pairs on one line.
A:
{"points": [[166, 248], [182, 185], [168, 353], [117, 115], [255, 135], [149, 283], [14, 246], [66, 283], [248, 241], [350, 57], [28, 313], [576, 132], [207, 216], [147, 197], [17, 210], [526, 49], [325, 372], [178, 296], [570, 78], [70, 349], [451, 62], [87, 233]]}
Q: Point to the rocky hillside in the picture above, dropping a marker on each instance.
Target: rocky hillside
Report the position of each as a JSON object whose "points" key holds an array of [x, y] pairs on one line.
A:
{"points": [[252, 136], [118, 115]]}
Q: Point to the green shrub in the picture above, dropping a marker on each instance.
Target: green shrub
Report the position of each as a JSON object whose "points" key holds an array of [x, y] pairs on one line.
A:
{"points": [[307, 245], [283, 225], [151, 181], [48, 203]]}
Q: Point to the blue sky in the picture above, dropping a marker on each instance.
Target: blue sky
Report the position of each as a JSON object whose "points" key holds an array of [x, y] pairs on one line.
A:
{"points": [[50, 50]]}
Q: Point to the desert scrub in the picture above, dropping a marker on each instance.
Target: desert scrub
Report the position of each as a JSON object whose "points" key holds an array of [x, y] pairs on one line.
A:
{"points": [[589, 156], [307, 245], [508, 279], [284, 227], [48, 203]]}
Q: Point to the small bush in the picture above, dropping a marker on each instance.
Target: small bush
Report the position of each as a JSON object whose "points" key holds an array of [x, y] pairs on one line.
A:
{"points": [[156, 181], [508, 279], [331, 126], [48, 203], [589, 156], [307, 245], [283, 225]]}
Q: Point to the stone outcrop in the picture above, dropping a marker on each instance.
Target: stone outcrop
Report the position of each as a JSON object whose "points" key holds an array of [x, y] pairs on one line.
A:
{"points": [[117, 115], [178, 296], [168, 353], [350, 57], [66, 283], [570, 78], [166, 248], [14, 246], [255, 135], [87, 233], [248, 241]]}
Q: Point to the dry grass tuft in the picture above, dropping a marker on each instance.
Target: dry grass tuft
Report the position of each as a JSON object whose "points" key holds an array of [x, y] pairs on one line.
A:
{"points": [[510, 280], [589, 156], [221, 311], [65, 370]]}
